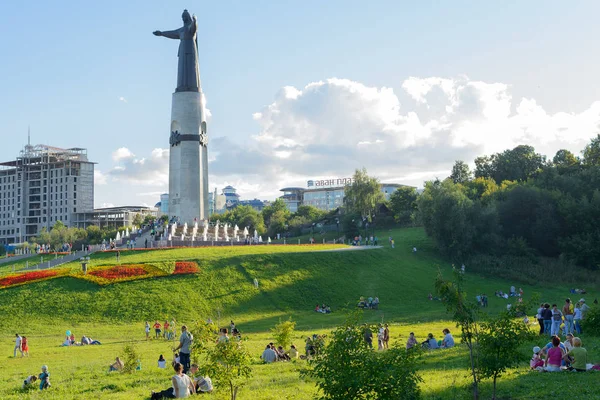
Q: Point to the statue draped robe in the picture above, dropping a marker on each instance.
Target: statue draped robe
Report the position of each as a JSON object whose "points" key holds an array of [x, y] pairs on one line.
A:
{"points": [[188, 75]]}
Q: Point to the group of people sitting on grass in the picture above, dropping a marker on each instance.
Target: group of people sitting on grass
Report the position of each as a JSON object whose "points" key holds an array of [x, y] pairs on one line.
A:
{"points": [[183, 385], [43, 377], [431, 343], [274, 353], [557, 356], [85, 340], [512, 293], [323, 309], [369, 303]]}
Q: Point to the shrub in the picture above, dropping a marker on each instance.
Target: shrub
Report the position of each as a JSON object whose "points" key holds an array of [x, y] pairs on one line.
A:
{"points": [[283, 332], [130, 358], [591, 323]]}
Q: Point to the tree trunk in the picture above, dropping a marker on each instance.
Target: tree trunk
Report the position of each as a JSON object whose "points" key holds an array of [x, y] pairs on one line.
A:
{"points": [[231, 390], [475, 386], [494, 391]]}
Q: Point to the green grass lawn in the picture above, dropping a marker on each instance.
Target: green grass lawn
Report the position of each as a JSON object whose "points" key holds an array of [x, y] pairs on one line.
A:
{"points": [[9, 266], [292, 279]]}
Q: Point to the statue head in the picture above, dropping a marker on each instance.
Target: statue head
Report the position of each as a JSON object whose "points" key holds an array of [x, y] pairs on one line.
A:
{"points": [[186, 17]]}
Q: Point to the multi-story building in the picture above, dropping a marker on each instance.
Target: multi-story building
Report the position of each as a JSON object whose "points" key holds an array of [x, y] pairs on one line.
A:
{"points": [[326, 194], [42, 186]]}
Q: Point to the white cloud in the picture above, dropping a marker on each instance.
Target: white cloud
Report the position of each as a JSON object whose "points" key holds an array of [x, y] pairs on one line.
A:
{"points": [[99, 177], [150, 171], [329, 128], [122, 153], [123, 99]]}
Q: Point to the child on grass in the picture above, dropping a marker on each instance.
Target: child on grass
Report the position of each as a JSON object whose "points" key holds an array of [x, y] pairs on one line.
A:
{"points": [[536, 360], [44, 378]]}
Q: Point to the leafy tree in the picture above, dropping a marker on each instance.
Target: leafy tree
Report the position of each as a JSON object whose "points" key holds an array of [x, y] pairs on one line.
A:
{"points": [[229, 364], [465, 314], [2, 249], [138, 220], [283, 332], [481, 188], [130, 358], [351, 223], [148, 219], [591, 153], [517, 164], [500, 341], [204, 335], [403, 203], [311, 213], [278, 222], [94, 234], [449, 217], [565, 161], [348, 369], [270, 210], [363, 196], [461, 172]]}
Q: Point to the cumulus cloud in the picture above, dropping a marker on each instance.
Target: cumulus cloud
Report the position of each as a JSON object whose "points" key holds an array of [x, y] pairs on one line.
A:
{"points": [[121, 154], [99, 178], [329, 128], [151, 171]]}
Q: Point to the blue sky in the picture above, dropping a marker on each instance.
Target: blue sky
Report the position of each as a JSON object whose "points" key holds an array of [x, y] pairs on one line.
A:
{"points": [[419, 84]]}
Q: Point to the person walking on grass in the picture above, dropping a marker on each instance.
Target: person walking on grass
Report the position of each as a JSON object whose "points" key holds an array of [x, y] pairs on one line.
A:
{"points": [[24, 347], [18, 340], [147, 329]]}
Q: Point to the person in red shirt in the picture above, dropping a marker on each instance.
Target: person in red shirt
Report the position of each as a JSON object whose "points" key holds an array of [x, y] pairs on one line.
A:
{"points": [[166, 330], [157, 329], [24, 347]]}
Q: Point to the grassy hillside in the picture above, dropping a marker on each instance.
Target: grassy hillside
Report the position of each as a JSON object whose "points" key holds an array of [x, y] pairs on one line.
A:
{"points": [[292, 279]]}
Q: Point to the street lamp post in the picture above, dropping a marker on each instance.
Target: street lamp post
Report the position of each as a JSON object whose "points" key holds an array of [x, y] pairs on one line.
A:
{"points": [[84, 263]]}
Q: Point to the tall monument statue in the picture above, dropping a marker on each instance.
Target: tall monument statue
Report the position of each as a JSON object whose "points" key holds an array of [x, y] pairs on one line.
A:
{"points": [[188, 163]]}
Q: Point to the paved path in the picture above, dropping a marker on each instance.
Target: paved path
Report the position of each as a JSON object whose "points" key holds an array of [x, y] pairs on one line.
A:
{"points": [[355, 248], [54, 262]]}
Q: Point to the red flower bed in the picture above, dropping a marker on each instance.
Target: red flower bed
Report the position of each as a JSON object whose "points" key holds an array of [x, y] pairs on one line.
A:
{"points": [[119, 272], [27, 276], [185, 267]]}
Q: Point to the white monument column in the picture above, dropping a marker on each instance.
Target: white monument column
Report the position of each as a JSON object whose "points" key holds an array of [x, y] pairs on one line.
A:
{"points": [[188, 163]]}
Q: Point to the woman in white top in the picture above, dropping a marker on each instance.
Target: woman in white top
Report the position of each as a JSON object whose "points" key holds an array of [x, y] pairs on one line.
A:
{"points": [[182, 384]]}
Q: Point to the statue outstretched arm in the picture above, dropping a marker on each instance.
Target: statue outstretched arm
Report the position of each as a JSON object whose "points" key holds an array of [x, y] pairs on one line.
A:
{"points": [[168, 34]]}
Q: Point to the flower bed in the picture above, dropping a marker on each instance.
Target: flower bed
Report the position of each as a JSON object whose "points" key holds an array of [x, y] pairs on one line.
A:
{"points": [[32, 276], [120, 273], [186, 267]]}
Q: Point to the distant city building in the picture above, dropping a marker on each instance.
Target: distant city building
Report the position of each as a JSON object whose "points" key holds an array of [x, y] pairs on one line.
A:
{"points": [[256, 204], [163, 204], [112, 217], [325, 194], [217, 203], [41, 186], [231, 197]]}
